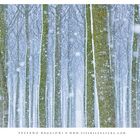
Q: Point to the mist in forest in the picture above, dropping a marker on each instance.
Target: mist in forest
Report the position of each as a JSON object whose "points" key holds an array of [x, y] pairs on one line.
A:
{"points": [[69, 66]]}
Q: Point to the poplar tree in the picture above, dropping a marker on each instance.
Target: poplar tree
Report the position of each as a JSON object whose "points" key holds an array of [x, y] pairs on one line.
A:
{"points": [[3, 77], [43, 71]]}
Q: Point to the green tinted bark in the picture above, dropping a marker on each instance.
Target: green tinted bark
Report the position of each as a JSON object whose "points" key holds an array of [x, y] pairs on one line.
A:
{"points": [[134, 72], [89, 72], [3, 79], [42, 96], [103, 74]]}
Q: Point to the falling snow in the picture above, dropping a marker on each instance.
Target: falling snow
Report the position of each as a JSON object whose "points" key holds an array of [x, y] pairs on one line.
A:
{"points": [[79, 70]]}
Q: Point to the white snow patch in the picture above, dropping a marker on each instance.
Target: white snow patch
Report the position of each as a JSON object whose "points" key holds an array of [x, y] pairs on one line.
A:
{"points": [[92, 62], [18, 69], [137, 28], [109, 119], [77, 54], [75, 34], [135, 54], [92, 75], [71, 95], [30, 58], [57, 32], [21, 64], [45, 12], [58, 74]]}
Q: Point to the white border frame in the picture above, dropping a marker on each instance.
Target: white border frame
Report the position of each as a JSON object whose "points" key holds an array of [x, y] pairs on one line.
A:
{"points": [[69, 1], [12, 133]]}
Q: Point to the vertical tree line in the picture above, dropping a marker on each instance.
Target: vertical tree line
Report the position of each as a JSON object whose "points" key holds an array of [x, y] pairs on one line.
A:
{"points": [[74, 60], [103, 74], [43, 74], [138, 78], [89, 71], [57, 118], [3, 75], [27, 64]]}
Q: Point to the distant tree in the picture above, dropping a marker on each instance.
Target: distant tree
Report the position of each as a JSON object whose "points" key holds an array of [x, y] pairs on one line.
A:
{"points": [[122, 39], [57, 118], [27, 64]]}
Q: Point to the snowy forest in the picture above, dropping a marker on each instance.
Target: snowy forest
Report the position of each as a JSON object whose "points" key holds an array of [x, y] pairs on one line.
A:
{"points": [[69, 66]]}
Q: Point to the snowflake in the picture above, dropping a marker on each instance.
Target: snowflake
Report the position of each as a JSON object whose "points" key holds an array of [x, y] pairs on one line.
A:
{"points": [[75, 34], [18, 69], [21, 64], [137, 28], [77, 54], [45, 12], [71, 95], [92, 75], [135, 54], [71, 40], [30, 58]]}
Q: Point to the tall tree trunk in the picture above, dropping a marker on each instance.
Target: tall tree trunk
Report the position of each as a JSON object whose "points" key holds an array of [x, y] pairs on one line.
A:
{"points": [[17, 73], [71, 92], [43, 97], [103, 74], [27, 65], [135, 72], [138, 84], [57, 119], [89, 72], [3, 79], [96, 102]]}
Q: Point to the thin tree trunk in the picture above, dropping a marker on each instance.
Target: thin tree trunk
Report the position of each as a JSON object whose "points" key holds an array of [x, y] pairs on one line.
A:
{"points": [[134, 73], [89, 72], [138, 84], [57, 119], [27, 65], [96, 102], [17, 75]]}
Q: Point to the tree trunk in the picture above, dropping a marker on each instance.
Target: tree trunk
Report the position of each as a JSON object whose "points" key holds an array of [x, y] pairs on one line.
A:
{"points": [[138, 84], [27, 65], [57, 119], [89, 72], [103, 74], [135, 72], [43, 75], [3, 77]]}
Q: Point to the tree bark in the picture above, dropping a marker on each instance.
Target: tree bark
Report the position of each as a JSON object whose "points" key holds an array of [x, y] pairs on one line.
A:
{"points": [[3, 77], [43, 73]]}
